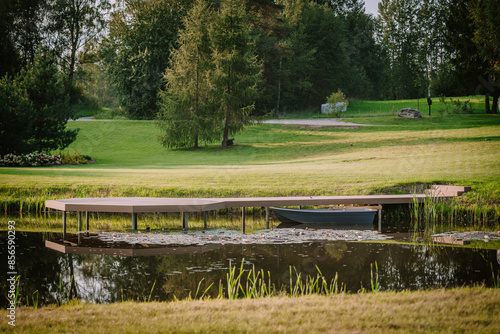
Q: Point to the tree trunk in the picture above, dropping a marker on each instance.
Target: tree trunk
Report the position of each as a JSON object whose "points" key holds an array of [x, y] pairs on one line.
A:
{"points": [[196, 142], [225, 135], [494, 107], [487, 102]]}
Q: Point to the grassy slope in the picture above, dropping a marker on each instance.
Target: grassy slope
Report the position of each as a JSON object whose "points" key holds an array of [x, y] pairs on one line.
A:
{"points": [[455, 311], [275, 160]]}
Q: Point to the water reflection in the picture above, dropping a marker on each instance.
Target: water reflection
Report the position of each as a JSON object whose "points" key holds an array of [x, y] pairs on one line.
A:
{"points": [[105, 278]]}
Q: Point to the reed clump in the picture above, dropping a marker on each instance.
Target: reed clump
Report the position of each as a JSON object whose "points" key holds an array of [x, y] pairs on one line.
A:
{"points": [[252, 283], [435, 215]]}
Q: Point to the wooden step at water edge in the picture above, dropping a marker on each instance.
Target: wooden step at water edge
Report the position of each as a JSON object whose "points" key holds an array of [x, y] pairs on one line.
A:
{"points": [[446, 190]]}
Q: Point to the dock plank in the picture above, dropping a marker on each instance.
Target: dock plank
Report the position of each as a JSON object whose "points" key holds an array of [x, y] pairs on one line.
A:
{"points": [[156, 204]]}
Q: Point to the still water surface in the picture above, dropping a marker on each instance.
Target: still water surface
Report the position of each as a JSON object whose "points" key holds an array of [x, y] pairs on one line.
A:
{"points": [[103, 278]]}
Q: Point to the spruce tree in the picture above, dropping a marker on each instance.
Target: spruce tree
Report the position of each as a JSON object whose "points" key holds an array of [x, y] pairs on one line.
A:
{"points": [[235, 72], [185, 117]]}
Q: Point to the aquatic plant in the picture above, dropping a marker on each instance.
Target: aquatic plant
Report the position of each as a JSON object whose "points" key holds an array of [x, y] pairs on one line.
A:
{"points": [[35, 301], [61, 300], [198, 290], [374, 281], [151, 292], [495, 278], [255, 284]]}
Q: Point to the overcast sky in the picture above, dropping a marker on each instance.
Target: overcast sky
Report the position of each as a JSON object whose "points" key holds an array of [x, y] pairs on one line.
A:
{"points": [[372, 6]]}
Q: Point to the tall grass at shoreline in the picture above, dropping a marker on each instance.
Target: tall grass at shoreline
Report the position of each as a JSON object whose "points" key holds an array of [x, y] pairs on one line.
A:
{"points": [[435, 215]]}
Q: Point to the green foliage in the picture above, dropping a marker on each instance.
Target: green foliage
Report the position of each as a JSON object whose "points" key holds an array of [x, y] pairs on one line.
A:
{"points": [[235, 72], [325, 51], [15, 120], [73, 159], [185, 116], [77, 24], [137, 51], [51, 109], [487, 33], [474, 60], [212, 79], [455, 106], [337, 103], [35, 108]]}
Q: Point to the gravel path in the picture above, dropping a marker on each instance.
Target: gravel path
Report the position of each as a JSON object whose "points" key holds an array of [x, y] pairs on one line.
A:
{"points": [[311, 121], [314, 122]]}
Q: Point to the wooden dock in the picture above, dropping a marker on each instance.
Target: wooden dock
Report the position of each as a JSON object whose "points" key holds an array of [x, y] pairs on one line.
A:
{"points": [[135, 205]]}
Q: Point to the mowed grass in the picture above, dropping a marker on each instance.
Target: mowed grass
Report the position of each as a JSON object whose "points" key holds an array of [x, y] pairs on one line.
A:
{"points": [[276, 159], [466, 310]]}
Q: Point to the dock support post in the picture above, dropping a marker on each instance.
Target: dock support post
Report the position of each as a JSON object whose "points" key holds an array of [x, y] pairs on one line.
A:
{"points": [[185, 221], [206, 219], [64, 224], [79, 214], [243, 220], [380, 219], [87, 221], [267, 218], [134, 221]]}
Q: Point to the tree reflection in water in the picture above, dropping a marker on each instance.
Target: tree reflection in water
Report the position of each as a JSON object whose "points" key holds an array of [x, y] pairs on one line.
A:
{"points": [[101, 278]]}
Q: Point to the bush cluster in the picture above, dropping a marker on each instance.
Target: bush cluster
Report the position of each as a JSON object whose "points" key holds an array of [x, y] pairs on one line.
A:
{"points": [[42, 159], [73, 159], [30, 160], [337, 103], [455, 107]]}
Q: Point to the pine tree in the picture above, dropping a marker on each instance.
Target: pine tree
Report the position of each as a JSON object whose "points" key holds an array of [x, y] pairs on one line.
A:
{"points": [[235, 72], [185, 117]]}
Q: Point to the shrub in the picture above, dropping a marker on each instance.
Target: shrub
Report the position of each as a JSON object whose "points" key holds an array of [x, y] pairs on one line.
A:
{"points": [[456, 107], [336, 103], [76, 159], [30, 160], [42, 159]]}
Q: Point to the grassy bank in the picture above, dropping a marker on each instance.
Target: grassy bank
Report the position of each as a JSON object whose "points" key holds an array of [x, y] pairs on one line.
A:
{"points": [[457, 310]]}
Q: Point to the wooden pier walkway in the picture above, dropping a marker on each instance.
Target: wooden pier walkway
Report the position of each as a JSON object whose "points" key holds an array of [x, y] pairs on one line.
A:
{"points": [[135, 205]]}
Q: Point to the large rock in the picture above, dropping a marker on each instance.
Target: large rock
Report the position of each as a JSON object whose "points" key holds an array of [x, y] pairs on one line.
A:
{"points": [[409, 113]]}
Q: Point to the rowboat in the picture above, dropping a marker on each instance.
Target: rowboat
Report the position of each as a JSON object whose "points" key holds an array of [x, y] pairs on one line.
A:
{"points": [[345, 218]]}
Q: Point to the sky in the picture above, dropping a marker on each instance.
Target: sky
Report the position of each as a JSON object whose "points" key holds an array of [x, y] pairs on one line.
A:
{"points": [[372, 6]]}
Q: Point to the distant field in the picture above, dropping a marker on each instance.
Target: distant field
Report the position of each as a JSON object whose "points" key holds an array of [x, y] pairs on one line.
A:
{"points": [[440, 106]]}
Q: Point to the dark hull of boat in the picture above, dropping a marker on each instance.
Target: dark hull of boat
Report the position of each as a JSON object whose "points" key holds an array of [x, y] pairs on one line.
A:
{"points": [[351, 218]]}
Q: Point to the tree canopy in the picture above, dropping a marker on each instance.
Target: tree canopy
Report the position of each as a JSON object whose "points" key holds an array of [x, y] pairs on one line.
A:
{"points": [[212, 81]]}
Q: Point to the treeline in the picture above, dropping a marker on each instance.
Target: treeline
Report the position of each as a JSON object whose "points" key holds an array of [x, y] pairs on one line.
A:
{"points": [[304, 51], [309, 49]]}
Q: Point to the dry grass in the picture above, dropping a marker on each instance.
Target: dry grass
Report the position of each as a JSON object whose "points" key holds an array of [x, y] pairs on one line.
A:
{"points": [[474, 310]]}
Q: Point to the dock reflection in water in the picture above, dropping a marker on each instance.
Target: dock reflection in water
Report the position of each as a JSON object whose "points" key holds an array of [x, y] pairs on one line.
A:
{"points": [[114, 272]]}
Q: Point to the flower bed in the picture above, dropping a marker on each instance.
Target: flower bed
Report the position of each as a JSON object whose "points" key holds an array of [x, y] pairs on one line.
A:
{"points": [[42, 159]]}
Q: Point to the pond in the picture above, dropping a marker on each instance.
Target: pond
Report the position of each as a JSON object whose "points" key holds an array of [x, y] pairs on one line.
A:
{"points": [[97, 276]]}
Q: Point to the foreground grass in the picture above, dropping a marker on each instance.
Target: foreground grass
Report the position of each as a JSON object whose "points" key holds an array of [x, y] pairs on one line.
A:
{"points": [[470, 310]]}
